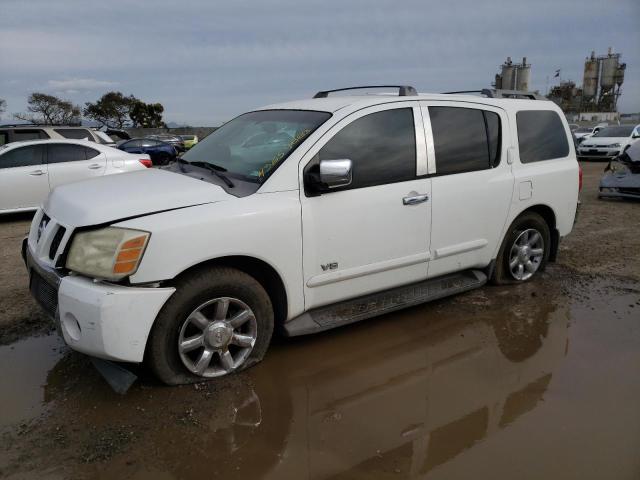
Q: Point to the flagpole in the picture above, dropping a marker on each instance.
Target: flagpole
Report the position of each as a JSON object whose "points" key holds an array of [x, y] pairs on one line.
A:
{"points": [[547, 93]]}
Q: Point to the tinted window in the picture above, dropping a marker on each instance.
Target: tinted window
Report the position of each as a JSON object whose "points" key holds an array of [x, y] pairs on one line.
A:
{"points": [[90, 153], [4, 138], [494, 136], [21, 135], [132, 144], [74, 133], [382, 147], [541, 136], [60, 152], [22, 157], [460, 139]]}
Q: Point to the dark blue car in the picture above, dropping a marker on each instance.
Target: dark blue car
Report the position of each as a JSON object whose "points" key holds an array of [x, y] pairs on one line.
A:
{"points": [[161, 153]]}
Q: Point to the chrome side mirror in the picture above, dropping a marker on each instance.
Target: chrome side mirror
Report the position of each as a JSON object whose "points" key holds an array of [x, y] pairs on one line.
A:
{"points": [[336, 173]]}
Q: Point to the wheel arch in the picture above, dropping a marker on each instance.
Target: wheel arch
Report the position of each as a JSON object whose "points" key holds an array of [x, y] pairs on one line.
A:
{"points": [[259, 269], [549, 216]]}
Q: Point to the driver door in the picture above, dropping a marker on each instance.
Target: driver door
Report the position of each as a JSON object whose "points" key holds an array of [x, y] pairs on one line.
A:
{"points": [[373, 234]]}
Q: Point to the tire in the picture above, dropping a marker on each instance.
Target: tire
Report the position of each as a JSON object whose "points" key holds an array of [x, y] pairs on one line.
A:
{"points": [[527, 222], [201, 294], [164, 159]]}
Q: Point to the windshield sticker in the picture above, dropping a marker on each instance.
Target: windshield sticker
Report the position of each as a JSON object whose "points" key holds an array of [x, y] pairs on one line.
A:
{"points": [[295, 141]]}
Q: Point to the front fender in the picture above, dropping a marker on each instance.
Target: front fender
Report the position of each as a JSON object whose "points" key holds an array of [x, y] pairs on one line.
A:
{"points": [[263, 226]]}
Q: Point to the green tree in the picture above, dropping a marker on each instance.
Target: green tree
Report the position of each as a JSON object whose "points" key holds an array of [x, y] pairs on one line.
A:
{"points": [[111, 110], [146, 115], [50, 110]]}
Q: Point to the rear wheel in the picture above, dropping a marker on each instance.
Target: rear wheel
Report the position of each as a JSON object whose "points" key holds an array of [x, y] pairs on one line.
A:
{"points": [[524, 250], [220, 320]]}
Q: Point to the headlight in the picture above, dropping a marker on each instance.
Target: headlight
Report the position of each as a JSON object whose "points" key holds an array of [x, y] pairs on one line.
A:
{"points": [[109, 253], [614, 145]]}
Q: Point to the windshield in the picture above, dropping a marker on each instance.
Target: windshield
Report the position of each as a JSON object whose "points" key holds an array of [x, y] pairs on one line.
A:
{"points": [[621, 131], [252, 145]]}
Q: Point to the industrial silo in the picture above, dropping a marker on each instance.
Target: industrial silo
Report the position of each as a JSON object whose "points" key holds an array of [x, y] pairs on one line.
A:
{"points": [[508, 75], [609, 71], [524, 76], [590, 80]]}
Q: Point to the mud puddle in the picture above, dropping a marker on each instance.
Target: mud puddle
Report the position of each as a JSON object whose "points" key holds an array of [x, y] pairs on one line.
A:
{"points": [[536, 381]]}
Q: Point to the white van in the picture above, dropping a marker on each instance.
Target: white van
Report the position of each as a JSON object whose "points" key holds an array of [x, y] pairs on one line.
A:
{"points": [[302, 217]]}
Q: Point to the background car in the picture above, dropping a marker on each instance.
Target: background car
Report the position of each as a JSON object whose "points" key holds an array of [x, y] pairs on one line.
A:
{"points": [[609, 142], [189, 140], [18, 133], [161, 153], [30, 170], [621, 178], [174, 140]]}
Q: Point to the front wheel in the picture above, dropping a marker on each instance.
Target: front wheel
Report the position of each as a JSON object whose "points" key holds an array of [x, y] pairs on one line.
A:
{"points": [[524, 250], [219, 321]]}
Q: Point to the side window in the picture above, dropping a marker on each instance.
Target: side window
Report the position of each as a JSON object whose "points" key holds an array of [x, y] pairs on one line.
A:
{"points": [[22, 157], [22, 135], [62, 152], [382, 147], [465, 139], [541, 136], [91, 153], [4, 138], [133, 144], [494, 135], [75, 133]]}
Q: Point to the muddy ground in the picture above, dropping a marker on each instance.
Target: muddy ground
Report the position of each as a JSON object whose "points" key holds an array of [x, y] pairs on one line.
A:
{"points": [[536, 381]]}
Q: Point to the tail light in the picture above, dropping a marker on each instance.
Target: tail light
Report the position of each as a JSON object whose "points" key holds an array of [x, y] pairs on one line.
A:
{"points": [[579, 178], [148, 163]]}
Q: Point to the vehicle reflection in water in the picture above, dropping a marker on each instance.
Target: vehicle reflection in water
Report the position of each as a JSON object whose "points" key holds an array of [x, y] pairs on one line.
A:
{"points": [[404, 394]]}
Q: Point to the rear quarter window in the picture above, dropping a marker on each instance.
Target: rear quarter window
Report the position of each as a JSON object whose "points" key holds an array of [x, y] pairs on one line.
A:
{"points": [[541, 136], [75, 133]]}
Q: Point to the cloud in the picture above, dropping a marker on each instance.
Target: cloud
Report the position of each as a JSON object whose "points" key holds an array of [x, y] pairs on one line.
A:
{"points": [[76, 85], [209, 61]]}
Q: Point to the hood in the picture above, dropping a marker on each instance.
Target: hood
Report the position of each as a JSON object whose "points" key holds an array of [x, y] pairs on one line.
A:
{"points": [[605, 140], [115, 197]]}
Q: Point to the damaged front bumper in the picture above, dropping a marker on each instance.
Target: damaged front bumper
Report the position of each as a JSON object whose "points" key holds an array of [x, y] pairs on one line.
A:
{"points": [[99, 319], [619, 182]]}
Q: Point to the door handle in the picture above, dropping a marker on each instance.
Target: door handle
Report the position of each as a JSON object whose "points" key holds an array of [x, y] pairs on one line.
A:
{"points": [[94, 166], [415, 199], [37, 173]]}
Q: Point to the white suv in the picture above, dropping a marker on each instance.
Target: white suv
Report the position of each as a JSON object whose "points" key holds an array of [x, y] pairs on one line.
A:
{"points": [[303, 216]]}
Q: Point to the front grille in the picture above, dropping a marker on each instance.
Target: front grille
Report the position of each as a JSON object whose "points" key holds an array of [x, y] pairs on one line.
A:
{"points": [[55, 243], [45, 294], [630, 191]]}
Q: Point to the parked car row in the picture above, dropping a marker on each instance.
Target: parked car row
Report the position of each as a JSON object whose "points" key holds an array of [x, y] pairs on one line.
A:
{"points": [[608, 142]]}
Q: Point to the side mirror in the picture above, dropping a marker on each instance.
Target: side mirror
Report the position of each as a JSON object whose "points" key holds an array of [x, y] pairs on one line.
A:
{"points": [[635, 135], [335, 173]]}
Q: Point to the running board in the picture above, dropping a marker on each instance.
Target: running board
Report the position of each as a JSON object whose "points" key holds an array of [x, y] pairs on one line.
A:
{"points": [[361, 308]]}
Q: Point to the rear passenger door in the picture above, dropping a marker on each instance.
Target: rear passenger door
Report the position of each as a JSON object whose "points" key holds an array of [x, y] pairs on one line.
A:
{"points": [[472, 183], [369, 235], [69, 162], [23, 177]]}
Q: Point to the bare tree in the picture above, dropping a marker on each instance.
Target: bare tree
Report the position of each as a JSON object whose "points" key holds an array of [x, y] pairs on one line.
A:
{"points": [[3, 105], [47, 109]]}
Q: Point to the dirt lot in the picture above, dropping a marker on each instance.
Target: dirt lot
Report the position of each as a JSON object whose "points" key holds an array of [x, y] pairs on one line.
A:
{"points": [[536, 381]]}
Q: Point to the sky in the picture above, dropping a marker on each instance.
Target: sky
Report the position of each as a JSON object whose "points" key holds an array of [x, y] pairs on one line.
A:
{"points": [[207, 61]]}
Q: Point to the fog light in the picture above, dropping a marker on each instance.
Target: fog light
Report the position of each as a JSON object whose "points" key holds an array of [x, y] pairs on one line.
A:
{"points": [[71, 327]]}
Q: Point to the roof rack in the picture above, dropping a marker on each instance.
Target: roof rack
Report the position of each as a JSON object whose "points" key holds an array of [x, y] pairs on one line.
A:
{"points": [[499, 93], [403, 90], [12, 125]]}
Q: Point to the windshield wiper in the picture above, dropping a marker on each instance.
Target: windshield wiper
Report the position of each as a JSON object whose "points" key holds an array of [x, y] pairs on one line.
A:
{"points": [[215, 169]]}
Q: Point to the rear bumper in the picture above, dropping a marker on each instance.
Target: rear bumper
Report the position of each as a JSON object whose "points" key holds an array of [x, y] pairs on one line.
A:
{"points": [[99, 319]]}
